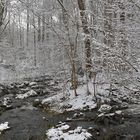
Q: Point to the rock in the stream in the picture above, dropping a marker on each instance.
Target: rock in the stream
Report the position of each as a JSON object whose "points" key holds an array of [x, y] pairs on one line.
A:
{"points": [[110, 118], [5, 103], [47, 103], [4, 126], [78, 115], [106, 119], [105, 108], [36, 103]]}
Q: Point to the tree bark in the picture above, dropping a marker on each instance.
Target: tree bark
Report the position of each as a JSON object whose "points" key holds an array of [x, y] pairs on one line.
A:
{"points": [[39, 29], [1, 12], [82, 8], [35, 58], [43, 27], [27, 35]]}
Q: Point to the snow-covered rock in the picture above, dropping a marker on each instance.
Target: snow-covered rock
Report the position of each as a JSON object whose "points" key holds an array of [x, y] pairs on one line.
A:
{"points": [[33, 84], [100, 115], [64, 133], [26, 95], [118, 112], [36, 102], [77, 115], [6, 101], [47, 101], [105, 108], [4, 126]]}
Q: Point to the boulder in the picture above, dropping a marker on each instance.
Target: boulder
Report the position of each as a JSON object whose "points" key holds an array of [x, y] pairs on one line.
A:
{"points": [[105, 108]]}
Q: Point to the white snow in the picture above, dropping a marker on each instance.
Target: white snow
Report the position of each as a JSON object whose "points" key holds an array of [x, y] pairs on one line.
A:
{"points": [[49, 100], [28, 107], [119, 112], [6, 101], [104, 108], [52, 99], [84, 101], [78, 102], [100, 115], [26, 95], [32, 84], [4, 126], [76, 134]]}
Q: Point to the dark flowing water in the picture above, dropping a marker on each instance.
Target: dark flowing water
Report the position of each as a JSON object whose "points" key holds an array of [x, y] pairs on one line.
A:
{"points": [[29, 123]]}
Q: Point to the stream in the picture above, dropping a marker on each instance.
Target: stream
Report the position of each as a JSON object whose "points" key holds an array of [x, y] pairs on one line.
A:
{"points": [[30, 123], [27, 122]]}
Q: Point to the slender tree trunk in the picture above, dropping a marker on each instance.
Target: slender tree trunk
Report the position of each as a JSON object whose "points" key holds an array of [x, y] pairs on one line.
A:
{"points": [[39, 29], [1, 12], [74, 77], [35, 59], [82, 8], [20, 32], [27, 35], [43, 28], [72, 52]]}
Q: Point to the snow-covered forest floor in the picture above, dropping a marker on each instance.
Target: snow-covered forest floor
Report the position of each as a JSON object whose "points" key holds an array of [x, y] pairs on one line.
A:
{"points": [[38, 109]]}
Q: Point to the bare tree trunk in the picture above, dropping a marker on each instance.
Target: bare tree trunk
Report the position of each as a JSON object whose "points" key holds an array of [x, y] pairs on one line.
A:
{"points": [[94, 85], [74, 78], [1, 13], [82, 7], [88, 65], [20, 32], [27, 35], [39, 29], [43, 28], [35, 59], [72, 51]]}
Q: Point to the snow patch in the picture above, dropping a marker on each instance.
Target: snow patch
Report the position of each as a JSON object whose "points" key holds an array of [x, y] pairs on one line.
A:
{"points": [[58, 133], [6, 102], [26, 95], [118, 112], [4, 126], [32, 84], [81, 101], [105, 108]]}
